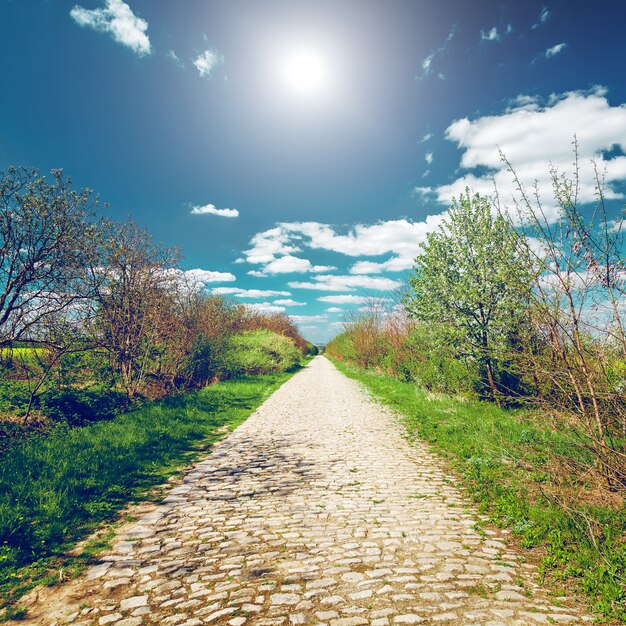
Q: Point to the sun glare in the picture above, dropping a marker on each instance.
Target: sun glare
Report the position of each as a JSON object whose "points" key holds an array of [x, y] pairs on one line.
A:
{"points": [[305, 73]]}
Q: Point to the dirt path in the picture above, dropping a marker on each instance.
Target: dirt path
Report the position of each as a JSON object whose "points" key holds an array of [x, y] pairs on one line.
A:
{"points": [[314, 511]]}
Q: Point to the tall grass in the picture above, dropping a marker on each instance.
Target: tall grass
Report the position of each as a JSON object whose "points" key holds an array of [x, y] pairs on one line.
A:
{"points": [[507, 463], [55, 489]]}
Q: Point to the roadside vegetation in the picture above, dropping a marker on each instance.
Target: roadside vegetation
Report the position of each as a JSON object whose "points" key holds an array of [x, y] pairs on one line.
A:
{"points": [[116, 367], [508, 353]]}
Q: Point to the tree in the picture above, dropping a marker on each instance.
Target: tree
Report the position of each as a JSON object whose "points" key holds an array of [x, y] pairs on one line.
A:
{"points": [[470, 284], [135, 303], [46, 241]]}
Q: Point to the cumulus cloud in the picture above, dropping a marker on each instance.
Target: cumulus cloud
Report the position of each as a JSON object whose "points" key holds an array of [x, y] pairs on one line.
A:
{"points": [[398, 238], [554, 50], [491, 35], [266, 246], [291, 264], [209, 209], [206, 276], [534, 136], [206, 62], [347, 283], [118, 20], [289, 302], [334, 309], [249, 293]]}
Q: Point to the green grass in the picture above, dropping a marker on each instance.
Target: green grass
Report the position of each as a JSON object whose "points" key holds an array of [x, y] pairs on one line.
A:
{"points": [[503, 458], [58, 487]]}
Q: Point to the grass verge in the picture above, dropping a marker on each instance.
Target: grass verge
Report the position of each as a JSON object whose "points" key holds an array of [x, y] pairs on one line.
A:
{"points": [[506, 460], [58, 487]]}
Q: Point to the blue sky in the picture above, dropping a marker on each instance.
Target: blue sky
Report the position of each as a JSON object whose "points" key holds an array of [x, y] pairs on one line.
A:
{"points": [[298, 152]]}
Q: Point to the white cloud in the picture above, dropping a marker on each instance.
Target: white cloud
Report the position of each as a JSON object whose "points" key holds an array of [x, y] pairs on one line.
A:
{"points": [[543, 17], [347, 299], [266, 307], [119, 21], [206, 276], [429, 158], [206, 62], [524, 102], [347, 283], [533, 137], [554, 50], [171, 54], [395, 264], [399, 238], [427, 63], [209, 209], [425, 138], [492, 35], [299, 319], [290, 264], [249, 293], [289, 302], [268, 244], [334, 309]]}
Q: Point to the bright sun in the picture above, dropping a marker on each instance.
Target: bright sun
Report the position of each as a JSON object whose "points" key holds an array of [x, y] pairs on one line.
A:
{"points": [[305, 73]]}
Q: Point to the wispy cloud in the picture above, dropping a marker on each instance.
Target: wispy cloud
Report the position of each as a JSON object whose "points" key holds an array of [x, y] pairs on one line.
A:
{"points": [[209, 209], [425, 138], [171, 54], [249, 293], [289, 302], [347, 283], [118, 20], [206, 62], [350, 299], [543, 17], [427, 63], [554, 50], [491, 35], [299, 319], [429, 158]]}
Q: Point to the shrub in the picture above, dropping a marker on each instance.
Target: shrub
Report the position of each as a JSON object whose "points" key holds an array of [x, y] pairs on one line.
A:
{"points": [[261, 352], [78, 407]]}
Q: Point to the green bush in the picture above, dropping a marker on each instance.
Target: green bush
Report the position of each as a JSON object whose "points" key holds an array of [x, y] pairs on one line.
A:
{"points": [[438, 367], [78, 407], [260, 352]]}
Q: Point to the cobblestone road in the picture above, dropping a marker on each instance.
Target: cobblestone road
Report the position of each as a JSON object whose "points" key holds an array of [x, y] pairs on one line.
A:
{"points": [[314, 511]]}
